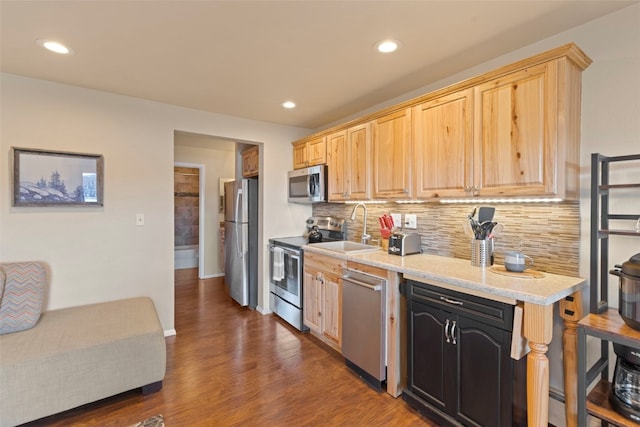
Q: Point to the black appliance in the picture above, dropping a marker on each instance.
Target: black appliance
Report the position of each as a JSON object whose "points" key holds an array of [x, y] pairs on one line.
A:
{"points": [[625, 389], [285, 266], [629, 292]]}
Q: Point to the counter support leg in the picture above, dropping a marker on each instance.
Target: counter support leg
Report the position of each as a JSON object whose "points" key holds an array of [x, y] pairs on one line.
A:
{"points": [[538, 329], [571, 312]]}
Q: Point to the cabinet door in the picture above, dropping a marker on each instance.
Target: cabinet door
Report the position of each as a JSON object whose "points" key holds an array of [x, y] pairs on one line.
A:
{"points": [[300, 158], [312, 297], [359, 143], [317, 151], [332, 309], [349, 164], [443, 146], [337, 167], [484, 374], [516, 133], [250, 162], [391, 156], [427, 376]]}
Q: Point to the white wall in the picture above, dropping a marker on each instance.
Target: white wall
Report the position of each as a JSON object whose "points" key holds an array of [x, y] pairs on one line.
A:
{"points": [[98, 254]]}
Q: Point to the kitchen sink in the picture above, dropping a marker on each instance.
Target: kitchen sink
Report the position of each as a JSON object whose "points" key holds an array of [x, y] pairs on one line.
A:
{"points": [[346, 247]]}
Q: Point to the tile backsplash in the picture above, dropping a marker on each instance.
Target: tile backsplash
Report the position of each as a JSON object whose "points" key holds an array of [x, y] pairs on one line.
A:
{"points": [[547, 232]]}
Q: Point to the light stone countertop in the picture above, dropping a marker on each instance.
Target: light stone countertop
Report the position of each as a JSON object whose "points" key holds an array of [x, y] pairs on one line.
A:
{"points": [[460, 275]]}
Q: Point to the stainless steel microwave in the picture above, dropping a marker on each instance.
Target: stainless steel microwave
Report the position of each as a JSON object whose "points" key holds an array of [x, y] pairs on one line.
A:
{"points": [[308, 185]]}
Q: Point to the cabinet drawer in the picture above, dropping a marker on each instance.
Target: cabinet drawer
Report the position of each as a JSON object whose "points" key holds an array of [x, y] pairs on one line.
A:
{"points": [[324, 263], [375, 271], [483, 310]]}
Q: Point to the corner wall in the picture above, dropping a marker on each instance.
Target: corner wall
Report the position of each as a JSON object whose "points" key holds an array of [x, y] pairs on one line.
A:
{"points": [[98, 254]]}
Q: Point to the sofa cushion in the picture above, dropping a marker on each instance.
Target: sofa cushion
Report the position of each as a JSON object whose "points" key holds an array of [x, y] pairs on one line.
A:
{"points": [[22, 299]]}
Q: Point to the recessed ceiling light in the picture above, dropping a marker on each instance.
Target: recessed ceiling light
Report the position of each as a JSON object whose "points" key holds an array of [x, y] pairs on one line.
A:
{"points": [[387, 46], [289, 104], [54, 46]]}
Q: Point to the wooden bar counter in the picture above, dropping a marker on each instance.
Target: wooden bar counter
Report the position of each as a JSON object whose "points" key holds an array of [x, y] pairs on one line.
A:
{"points": [[538, 296]]}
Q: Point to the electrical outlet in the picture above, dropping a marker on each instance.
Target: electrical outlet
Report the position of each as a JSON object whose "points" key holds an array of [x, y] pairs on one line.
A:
{"points": [[410, 221], [139, 219], [397, 220]]}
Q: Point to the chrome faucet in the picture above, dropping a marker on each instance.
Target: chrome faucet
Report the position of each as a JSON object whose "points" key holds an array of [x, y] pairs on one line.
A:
{"points": [[365, 236]]}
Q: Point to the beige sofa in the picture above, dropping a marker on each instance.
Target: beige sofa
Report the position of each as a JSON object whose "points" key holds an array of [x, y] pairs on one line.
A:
{"points": [[78, 355]]}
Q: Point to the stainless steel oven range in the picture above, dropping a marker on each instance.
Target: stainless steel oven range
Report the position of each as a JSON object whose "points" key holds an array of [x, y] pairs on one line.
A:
{"points": [[285, 267]]}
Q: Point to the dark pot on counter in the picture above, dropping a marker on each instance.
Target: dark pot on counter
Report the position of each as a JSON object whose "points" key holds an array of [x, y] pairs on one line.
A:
{"points": [[315, 236], [629, 293]]}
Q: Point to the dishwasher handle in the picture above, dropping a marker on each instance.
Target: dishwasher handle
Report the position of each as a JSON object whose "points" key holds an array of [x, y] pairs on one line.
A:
{"points": [[376, 288]]}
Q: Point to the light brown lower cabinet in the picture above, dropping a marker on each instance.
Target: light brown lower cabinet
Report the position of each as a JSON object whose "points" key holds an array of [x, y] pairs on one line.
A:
{"points": [[322, 298]]}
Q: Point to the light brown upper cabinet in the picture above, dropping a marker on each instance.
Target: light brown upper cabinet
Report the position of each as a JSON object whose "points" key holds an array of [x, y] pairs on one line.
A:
{"points": [[443, 145], [521, 147], [250, 162], [349, 164], [309, 152], [514, 135], [392, 155], [514, 131]]}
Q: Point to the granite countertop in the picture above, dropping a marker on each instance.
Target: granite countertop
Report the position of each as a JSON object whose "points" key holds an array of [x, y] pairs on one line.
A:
{"points": [[459, 274]]}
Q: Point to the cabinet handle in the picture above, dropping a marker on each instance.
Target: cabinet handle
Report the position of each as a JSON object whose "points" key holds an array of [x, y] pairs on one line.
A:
{"points": [[451, 301], [446, 332], [453, 333]]}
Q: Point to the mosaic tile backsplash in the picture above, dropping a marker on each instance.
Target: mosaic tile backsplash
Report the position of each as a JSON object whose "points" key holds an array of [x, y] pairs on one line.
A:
{"points": [[547, 232]]}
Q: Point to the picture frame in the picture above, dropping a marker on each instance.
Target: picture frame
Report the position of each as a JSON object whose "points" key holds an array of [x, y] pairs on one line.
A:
{"points": [[56, 178]]}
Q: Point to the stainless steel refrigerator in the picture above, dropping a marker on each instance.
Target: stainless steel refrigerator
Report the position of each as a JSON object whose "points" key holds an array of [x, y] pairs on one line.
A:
{"points": [[241, 241]]}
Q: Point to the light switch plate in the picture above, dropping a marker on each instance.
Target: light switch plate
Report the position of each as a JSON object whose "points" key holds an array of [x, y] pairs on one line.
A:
{"points": [[397, 220], [410, 221], [139, 219]]}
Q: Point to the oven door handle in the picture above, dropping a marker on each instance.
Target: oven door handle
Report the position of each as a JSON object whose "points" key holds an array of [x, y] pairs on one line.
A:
{"points": [[292, 253]]}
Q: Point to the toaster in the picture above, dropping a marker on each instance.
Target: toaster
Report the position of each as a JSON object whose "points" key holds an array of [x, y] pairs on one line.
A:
{"points": [[404, 244]]}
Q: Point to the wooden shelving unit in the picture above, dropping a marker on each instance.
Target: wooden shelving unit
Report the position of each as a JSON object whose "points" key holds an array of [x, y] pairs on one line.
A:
{"points": [[603, 322]]}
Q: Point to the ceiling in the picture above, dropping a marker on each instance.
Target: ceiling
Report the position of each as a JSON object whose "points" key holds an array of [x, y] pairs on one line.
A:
{"points": [[244, 58]]}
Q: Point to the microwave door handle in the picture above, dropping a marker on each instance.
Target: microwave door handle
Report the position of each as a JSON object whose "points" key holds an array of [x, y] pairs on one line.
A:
{"points": [[312, 185]]}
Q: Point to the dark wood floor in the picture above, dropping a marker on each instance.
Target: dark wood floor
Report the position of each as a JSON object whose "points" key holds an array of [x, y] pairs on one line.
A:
{"points": [[231, 366]]}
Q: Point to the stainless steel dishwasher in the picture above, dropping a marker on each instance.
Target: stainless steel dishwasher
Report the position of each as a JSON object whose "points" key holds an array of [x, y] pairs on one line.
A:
{"points": [[363, 325]]}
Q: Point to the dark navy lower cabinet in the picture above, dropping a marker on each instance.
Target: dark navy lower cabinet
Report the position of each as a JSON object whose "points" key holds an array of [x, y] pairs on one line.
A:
{"points": [[459, 369]]}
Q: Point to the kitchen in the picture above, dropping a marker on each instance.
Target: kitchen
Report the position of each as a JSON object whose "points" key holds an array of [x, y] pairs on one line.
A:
{"points": [[609, 122], [541, 236]]}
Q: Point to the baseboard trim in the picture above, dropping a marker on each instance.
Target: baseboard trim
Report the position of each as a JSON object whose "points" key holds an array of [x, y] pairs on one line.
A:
{"points": [[212, 276], [169, 332], [263, 310]]}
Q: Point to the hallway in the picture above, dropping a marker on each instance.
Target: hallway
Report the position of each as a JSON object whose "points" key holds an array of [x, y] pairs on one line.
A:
{"points": [[231, 366]]}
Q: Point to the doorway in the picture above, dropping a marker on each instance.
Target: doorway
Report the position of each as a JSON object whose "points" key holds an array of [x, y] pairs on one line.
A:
{"points": [[188, 216], [214, 158]]}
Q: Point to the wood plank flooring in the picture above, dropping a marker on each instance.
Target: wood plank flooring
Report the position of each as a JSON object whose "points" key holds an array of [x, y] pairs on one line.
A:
{"points": [[230, 366]]}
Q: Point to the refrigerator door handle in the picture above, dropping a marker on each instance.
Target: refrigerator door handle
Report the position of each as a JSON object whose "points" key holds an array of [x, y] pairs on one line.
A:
{"points": [[239, 242], [237, 205]]}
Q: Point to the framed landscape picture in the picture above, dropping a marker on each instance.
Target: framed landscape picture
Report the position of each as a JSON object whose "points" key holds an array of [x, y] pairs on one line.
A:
{"points": [[55, 178]]}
